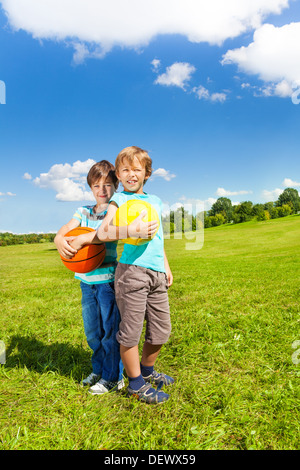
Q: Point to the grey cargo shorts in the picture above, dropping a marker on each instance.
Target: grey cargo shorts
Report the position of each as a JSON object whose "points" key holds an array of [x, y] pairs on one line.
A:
{"points": [[141, 294]]}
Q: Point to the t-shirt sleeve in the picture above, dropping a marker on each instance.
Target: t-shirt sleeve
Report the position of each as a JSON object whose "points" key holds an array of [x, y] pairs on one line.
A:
{"points": [[118, 199], [78, 215]]}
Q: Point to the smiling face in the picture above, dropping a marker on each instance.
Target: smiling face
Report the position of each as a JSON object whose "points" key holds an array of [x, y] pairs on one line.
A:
{"points": [[132, 175], [103, 189]]}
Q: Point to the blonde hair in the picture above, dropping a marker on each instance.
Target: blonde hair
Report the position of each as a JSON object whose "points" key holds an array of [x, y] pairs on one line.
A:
{"points": [[130, 153]]}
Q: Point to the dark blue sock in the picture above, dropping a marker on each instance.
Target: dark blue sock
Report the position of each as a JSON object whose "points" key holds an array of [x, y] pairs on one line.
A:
{"points": [[136, 382], [146, 370]]}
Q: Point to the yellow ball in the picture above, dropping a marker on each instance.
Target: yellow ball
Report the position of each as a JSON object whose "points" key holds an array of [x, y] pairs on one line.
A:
{"points": [[129, 211]]}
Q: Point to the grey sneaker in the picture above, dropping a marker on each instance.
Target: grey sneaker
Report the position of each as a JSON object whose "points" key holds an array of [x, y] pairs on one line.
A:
{"points": [[148, 394], [91, 379], [103, 386], [156, 377]]}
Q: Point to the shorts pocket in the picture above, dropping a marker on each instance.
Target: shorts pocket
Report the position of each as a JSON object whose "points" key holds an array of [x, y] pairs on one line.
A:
{"points": [[167, 282], [131, 279], [130, 285]]}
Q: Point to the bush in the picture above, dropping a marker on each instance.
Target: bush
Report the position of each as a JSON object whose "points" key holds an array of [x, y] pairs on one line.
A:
{"points": [[284, 210], [264, 215], [214, 220]]}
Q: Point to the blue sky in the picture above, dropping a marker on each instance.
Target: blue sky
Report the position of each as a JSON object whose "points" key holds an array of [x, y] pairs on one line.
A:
{"points": [[212, 104]]}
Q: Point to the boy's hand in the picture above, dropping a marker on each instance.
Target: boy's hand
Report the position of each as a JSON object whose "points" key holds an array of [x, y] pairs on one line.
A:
{"points": [[140, 229], [78, 242], [64, 248], [168, 270], [169, 277]]}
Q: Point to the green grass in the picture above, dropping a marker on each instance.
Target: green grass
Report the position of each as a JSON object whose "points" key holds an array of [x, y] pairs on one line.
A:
{"points": [[235, 316]]}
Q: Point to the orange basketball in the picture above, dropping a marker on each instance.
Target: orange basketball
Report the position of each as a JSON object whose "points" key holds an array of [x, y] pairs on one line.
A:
{"points": [[88, 258]]}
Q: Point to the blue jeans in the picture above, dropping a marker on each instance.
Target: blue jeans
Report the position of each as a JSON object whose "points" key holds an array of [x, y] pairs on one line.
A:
{"points": [[101, 319]]}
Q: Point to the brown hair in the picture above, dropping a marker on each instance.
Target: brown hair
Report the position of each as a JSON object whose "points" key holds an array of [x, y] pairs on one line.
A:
{"points": [[129, 153], [103, 169]]}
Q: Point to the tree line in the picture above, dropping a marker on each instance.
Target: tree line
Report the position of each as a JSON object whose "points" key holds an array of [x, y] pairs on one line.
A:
{"points": [[224, 212], [221, 212], [7, 238]]}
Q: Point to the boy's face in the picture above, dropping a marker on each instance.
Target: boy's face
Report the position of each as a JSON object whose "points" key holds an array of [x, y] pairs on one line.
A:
{"points": [[132, 176], [103, 189]]}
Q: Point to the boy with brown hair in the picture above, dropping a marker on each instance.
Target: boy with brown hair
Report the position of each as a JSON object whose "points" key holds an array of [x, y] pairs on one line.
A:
{"points": [[142, 278], [99, 309]]}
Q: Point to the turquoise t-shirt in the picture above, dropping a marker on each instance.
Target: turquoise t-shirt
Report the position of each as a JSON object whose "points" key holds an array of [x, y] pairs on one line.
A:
{"points": [[149, 255], [106, 272]]}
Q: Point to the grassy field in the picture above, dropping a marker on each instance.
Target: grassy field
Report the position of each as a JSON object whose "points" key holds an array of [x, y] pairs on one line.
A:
{"points": [[235, 316]]}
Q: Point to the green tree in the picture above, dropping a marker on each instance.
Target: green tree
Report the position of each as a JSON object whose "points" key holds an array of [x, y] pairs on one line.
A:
{"points": [[284, 210], [275, 213], [222, 205], [217, 219], [198, 221], [258, 210], [289, 196], [207, 221], [264, 215], [270, 207], [242, 212]]}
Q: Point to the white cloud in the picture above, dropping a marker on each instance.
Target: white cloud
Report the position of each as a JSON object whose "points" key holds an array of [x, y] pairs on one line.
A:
{"points": [[100, 25], [83, 52], [203, 93], [221, 192], [273, 56], [199, 204], [283, 89], [271, 195], [165, 174], [155, 65], [177, 74], [191, 205], [7, 194], [218, 97], [288, 183], [27, 176], [68, 181]]}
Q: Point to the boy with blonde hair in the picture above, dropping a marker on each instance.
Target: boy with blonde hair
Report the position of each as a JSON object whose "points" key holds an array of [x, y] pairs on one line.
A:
{"points": [[142, 278]]}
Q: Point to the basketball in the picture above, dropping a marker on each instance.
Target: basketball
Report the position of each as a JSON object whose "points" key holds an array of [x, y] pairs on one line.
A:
{"points": [[129, 211], [88, 257]]}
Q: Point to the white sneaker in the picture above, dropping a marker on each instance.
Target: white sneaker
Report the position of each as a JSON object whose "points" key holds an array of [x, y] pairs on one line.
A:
{"points": [[103, 386], [91, 379]]}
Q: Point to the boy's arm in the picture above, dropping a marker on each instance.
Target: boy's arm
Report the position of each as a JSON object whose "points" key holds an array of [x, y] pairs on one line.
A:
{"points": [[137, 229], [63, 243], [168, 270], [85, 239], [107, 231], [68, 246]]}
